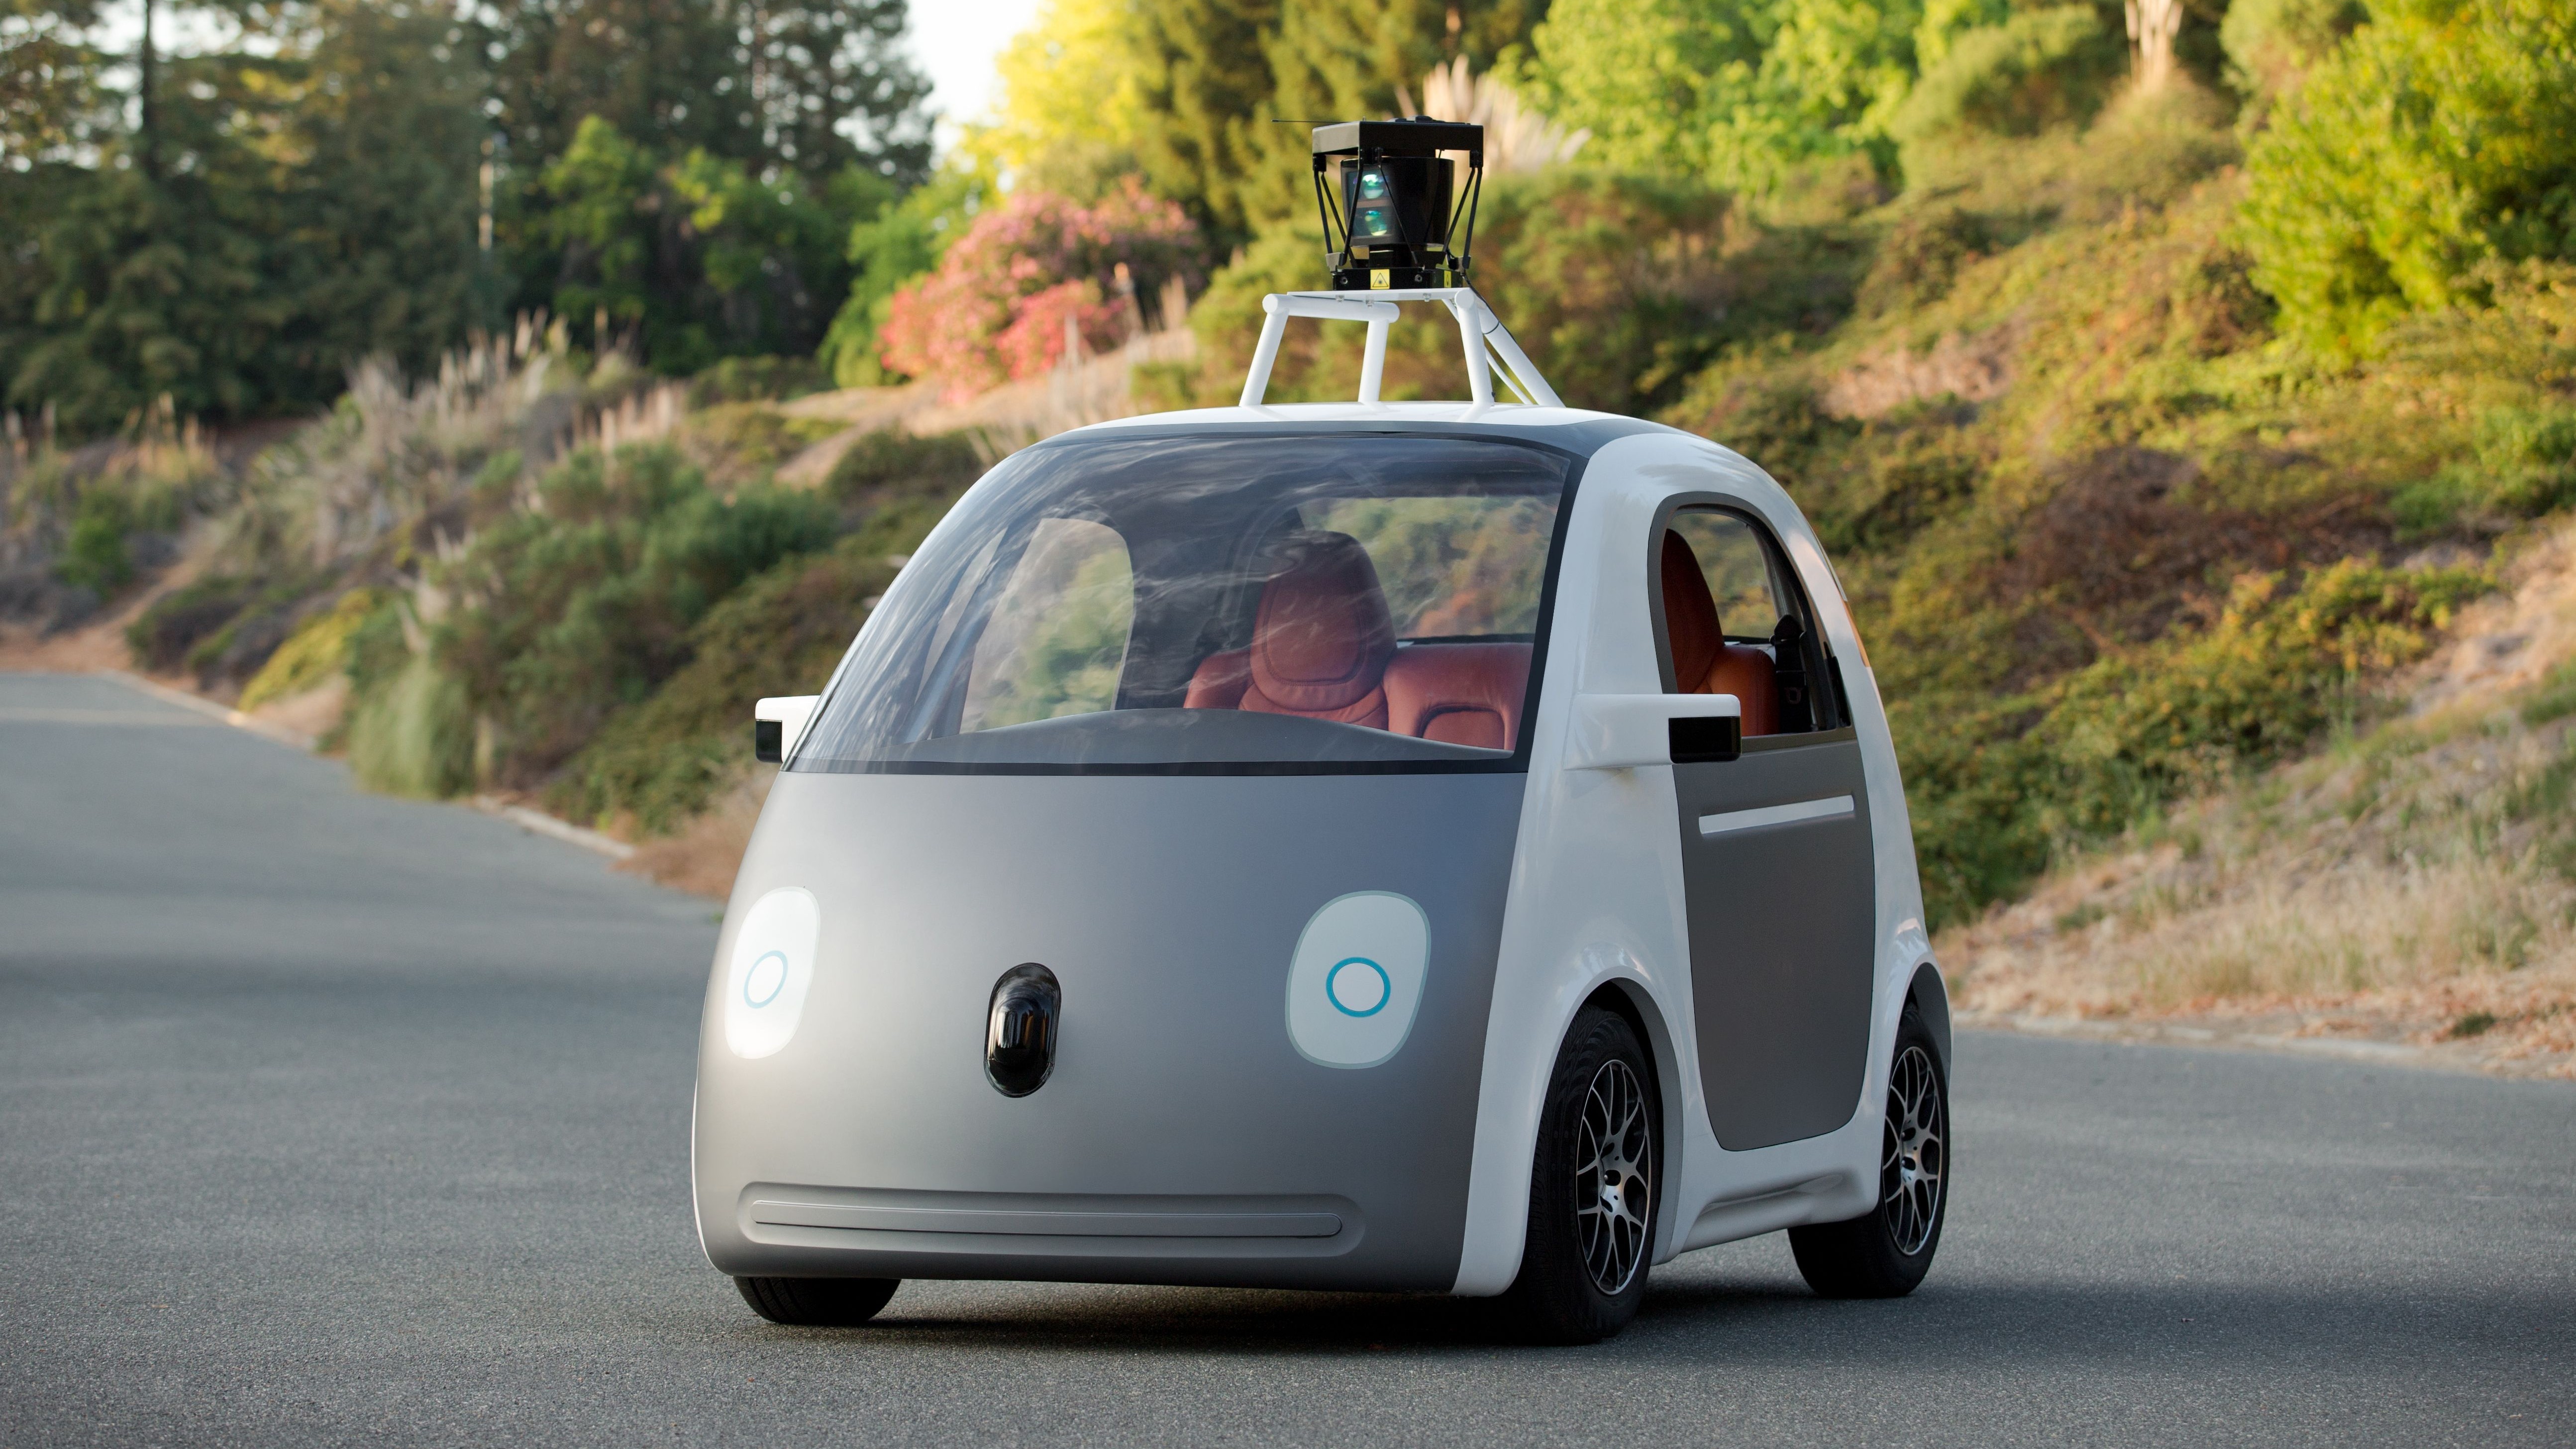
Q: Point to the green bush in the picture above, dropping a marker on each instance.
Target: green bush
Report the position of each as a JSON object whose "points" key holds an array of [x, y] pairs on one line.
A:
{"points": [[2132, 731], [781, 633], [583, 603], [94, 555], [413, 735], [314, 653], [891, 464], [757, 379], [170, 629], [2438, 137], [2038, 70], [2272, 44]]}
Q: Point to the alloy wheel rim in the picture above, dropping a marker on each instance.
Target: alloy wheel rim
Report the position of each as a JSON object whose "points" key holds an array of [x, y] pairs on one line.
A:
{"points": [[1614, 1177], [1914, 1165]]}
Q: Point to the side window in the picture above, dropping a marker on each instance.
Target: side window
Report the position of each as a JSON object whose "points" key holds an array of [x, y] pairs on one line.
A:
{"points": [[1737, 622], [1737, 565], [1058, 634]]}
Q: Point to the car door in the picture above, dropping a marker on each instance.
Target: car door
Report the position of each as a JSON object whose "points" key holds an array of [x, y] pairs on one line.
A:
{"points": [[1775, 843]]}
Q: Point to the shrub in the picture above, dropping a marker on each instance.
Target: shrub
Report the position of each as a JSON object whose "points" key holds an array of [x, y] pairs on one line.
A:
{"points": [[94, 555], [999, 303], [757, 379], [315, 653], [779, 634], [2272, 44], [891, 463], [414, 735], [2038, 70], [166, 632], [2441, 135], [584, 602], [2134, 730]]}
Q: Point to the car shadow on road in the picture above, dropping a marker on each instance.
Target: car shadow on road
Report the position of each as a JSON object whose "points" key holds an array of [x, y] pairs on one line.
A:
{"points": [[1759, 1323]]}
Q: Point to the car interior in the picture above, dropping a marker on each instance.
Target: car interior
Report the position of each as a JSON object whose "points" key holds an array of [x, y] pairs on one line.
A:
{"points": [[1771, 677], [1324, 647]]}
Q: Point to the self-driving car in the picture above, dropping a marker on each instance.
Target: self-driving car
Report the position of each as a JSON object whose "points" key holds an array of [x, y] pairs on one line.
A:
{"points": [[1443, 847]]}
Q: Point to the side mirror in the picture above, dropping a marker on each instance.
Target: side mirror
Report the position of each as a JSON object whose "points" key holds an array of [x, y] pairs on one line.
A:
{"points": [[778, 723], [1625, 731]]}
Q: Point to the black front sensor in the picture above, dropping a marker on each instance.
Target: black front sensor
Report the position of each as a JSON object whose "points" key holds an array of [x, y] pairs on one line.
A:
{"points": [[1019, 1030]]}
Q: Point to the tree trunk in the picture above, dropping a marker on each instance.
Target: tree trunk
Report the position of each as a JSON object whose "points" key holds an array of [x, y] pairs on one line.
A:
{"points": [[151, 135], [2153, 24]]}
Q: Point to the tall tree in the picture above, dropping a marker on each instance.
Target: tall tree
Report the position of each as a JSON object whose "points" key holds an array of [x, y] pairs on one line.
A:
{"points": [[303, 197], [785, 88]]}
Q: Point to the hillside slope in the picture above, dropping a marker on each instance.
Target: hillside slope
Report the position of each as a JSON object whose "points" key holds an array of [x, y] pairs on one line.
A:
{"points": [[2413, 881]]}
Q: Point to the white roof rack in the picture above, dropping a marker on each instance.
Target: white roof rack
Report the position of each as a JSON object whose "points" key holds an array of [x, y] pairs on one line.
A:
{"points": [[1480, 332]]}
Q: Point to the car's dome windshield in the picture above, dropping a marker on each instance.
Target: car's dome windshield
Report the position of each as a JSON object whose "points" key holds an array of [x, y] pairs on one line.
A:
{"points": [[1367, 600]]}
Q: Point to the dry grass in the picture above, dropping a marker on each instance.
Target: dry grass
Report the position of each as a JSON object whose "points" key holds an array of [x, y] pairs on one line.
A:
{"points": [[2411, 883]]}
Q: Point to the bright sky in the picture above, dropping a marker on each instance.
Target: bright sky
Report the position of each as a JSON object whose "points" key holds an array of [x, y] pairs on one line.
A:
{"points": [[955, 42]]}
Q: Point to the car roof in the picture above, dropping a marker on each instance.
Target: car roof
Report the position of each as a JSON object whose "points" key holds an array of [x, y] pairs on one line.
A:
{"points": [[1574, 430]]}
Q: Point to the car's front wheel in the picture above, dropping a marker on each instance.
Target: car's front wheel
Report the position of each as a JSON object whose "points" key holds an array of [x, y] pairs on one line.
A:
{"points": [[1886, 1251], [1592, 1187], [817, 1302]]}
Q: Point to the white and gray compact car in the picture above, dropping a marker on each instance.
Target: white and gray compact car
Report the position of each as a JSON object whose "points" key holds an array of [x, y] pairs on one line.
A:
{"points": [[1427, 847]]}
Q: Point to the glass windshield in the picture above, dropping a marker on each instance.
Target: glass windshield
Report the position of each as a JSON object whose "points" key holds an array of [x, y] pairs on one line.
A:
{"points": [[1214, 600]]}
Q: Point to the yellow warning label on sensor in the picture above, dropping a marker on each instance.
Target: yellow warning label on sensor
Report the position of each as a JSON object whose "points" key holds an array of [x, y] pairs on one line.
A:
{"points": [[1381, 279]]}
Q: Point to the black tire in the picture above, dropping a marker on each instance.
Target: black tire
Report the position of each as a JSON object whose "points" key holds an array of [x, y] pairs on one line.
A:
{"points": [[817, 1302], [1885, 1252], [1592, 1188]]}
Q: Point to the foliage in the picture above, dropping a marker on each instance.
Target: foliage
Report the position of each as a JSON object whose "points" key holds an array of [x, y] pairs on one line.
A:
{"points": [[94, 555], [779, 634], [1343, 59], [2440, 135], [2271, 44], [1069, 109], [2037, 69], [316, 653], [756, 379], [320, 182], [582, 601], [413, 734], [1004, 296], [293, 205], [900, 243], [2134, 730], [794, 90], [889, 468], [1738, 92], [694, 257]]}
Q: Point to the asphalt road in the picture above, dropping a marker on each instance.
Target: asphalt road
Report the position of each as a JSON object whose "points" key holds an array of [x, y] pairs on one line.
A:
{"points": [[326, 1118]]}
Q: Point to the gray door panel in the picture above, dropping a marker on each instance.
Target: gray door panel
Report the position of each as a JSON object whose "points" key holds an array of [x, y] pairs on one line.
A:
{"points": [[1782, 914]]}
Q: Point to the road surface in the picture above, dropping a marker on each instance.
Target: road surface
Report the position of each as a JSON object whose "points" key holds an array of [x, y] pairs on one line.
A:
{"points": [[327, 1118]]}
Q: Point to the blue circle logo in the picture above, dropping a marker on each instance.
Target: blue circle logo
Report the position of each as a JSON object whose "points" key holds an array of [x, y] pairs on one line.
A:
{"points": [[767, 977], [1333, 987]]}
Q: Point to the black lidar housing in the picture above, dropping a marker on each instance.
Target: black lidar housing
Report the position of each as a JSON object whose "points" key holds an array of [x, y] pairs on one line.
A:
{"points": [[1393, 203]]}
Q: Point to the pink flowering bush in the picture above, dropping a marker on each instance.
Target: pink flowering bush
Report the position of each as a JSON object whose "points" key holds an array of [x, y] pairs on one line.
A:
{"points": [[996, 308]]}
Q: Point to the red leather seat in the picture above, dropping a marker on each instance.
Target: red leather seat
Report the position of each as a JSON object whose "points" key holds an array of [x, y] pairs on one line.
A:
{"points": [[1703, 662], [1459, 694], [1320, 642]]}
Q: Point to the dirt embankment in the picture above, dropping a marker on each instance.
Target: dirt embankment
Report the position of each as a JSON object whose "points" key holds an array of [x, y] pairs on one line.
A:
{"points": [[2411, 885]]}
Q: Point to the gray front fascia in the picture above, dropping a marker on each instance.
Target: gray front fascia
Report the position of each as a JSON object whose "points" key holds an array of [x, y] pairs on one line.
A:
{"points": [[1169, 907]]}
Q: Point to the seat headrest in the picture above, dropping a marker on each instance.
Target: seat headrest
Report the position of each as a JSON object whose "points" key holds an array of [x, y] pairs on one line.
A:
{"points": [[1323, 635], [1690, 615]]}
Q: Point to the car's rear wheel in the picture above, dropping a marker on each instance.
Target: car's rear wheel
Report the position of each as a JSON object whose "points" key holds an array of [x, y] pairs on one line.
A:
{"points": [[1592, 1187], [817, 1302], [1885, 1252]]}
